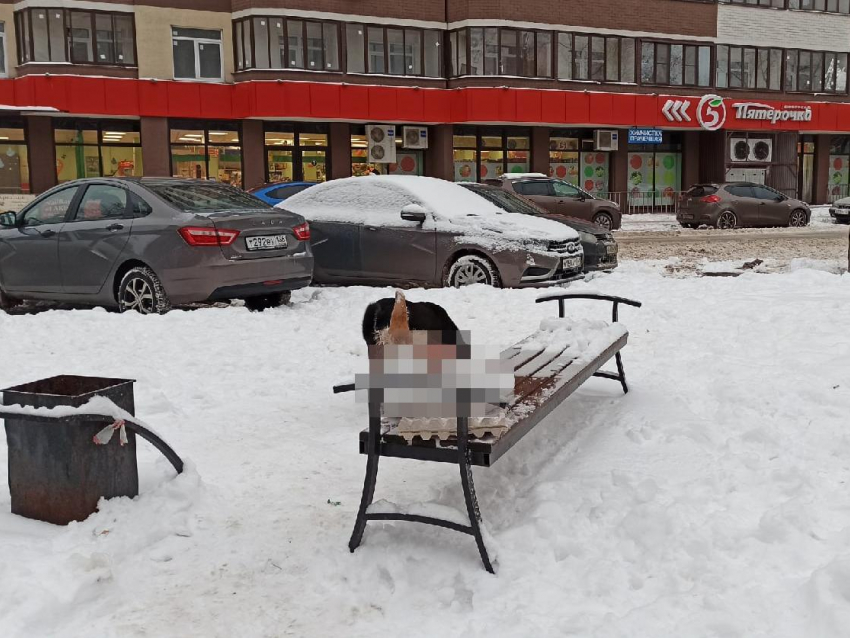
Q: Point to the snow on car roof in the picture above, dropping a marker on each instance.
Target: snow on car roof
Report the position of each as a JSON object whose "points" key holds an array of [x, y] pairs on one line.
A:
{"points": [[378, 199], [523, 175]]}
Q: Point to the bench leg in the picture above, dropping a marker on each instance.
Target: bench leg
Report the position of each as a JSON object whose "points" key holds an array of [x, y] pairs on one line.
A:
{"points": [[473, 511], [621, 372], [366, 500]]}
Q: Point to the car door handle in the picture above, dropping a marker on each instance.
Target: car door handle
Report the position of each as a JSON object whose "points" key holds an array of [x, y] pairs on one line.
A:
{"points": [[114, 227], [371, 228], [761, 203], [48, 233]]}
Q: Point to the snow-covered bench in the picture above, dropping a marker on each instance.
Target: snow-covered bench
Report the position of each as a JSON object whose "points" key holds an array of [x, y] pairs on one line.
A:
{"points": [[548, 366]]}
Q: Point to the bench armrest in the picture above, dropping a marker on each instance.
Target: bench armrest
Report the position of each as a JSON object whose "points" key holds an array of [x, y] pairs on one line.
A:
{"points": [[344, 387], [561, 297]]}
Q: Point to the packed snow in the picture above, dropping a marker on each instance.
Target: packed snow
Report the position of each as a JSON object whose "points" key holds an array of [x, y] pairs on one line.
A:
{"points": [[712, 500], [378, 200]]}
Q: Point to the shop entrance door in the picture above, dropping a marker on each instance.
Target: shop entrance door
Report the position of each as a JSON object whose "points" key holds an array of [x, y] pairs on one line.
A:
{"points": [[655, 179], [805, 170]]}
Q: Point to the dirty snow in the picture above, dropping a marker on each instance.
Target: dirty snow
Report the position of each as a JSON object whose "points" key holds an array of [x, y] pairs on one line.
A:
{"points": [[712, 500]]}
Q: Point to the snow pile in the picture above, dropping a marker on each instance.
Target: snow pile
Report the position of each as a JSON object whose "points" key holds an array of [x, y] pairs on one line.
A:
{"points": [[378, 201], [710, 501]]}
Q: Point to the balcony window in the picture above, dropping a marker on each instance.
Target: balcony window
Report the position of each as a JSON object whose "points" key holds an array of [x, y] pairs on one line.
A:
{"points": [[197, 54], [815, 72], [596, 58], [395, 51], [283, 43], [2, 48], [79, 37], [669, 64]]}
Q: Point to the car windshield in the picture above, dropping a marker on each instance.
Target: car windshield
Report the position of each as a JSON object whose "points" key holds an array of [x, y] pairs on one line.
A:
{"points": [[199, 197], [507, 201]]}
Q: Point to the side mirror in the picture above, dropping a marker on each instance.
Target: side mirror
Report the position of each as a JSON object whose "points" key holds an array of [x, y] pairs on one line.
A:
{"points": [[9, 219], [414, 213]]}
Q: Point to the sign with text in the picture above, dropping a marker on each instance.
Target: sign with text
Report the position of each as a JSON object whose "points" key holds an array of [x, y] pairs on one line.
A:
{"points": [[644, 136], [14, 202]]}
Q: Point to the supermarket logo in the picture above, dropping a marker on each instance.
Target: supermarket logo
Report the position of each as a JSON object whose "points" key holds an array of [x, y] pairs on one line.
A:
{"points": [[711, 112], [765, 112]]}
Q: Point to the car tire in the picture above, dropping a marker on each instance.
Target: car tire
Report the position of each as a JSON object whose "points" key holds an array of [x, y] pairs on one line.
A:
{"points": [[604, 219], [472, 269], [727, 220], [264, 302], [798, 218], [7, 302], [141, 290]]}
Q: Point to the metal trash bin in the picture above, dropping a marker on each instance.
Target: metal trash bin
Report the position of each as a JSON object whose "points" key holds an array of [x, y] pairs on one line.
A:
{"points": [[57, 473]]}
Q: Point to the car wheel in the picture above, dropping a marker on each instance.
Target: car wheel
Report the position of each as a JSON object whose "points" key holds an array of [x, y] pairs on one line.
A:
{"points": [[7, 302], [264, 302], [141, 290], [472, 269], [727, 220], [798, 219], [603, 219]]}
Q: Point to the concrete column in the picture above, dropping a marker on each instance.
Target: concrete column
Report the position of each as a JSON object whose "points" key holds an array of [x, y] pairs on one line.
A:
{"points": [[439, 160], [712, 156], [253, 154], [540, 150], [156, 145], [42, 153], [618, 178], [820, 187], [339, 150], [690, 159]]}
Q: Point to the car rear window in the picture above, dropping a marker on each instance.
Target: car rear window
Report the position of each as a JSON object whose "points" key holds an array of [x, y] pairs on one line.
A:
{"points": [[740, 191], [195, 197], [702, 191], [286, 191]]}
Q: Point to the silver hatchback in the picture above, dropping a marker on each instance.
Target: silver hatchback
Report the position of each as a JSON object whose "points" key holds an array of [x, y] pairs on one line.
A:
{"points": [[144, 244]]}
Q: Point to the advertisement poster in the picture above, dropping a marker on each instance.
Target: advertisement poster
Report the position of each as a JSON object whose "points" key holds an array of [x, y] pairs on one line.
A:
{"points": [[641, 179], [564, 165], [839, 176], [594, 173], [517, 161], [407, 163], [654, 178], [668, 178]]}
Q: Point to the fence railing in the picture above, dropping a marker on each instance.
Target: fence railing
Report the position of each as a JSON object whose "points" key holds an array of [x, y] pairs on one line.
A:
{"points": [[645, 202]]}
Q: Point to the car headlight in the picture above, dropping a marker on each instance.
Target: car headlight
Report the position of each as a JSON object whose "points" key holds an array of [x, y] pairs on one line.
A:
{"points": [[587, 238]]}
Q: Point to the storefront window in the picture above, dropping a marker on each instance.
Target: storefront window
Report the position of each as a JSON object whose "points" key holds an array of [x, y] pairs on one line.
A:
{"points": [[564, 158], [839, 167], [296, 153], [14, 159], [486, 153], [408, 161], [655, 173], [90, 148], [206, 150]]}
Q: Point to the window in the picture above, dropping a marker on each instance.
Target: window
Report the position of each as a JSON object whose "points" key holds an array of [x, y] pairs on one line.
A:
{"points": [[396, 51], [2, 48], [748, 68], [815, 72], [534, 189], [740, 191], [602, 59], [14, 157], [206, 149], [285, 43], [675, 64], [296, 153], [204, 198], [92, 148], [50, 210], [763, 192], [482, 153], [562, 189], [197, 54], [495, 51], [79, 37], [102, 202]]}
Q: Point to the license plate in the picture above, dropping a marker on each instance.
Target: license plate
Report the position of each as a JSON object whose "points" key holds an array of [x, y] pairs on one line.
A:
{"points": [[687, 216], [265, 242], [611, 249], [571, 263]]}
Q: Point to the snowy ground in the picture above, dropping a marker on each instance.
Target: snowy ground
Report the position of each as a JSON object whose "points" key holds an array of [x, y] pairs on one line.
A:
{"points": [[657, 222], [710, 501]]}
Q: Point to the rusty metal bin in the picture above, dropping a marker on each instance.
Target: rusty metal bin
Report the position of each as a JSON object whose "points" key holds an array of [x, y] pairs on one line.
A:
{"points": [[57, 473]]}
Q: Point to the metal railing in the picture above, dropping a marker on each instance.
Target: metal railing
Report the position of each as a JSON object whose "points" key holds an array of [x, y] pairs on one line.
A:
{"points": [[645, 202]]}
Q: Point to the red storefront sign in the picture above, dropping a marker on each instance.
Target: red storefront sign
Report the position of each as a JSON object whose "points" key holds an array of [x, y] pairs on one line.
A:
{"points": [[366, 103]]}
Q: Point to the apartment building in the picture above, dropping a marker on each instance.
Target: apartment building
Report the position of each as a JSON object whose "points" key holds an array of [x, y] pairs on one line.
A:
{"points": [[644, 97]]}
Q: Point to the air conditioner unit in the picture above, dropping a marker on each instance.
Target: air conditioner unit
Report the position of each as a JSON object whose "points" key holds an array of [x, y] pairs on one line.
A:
{"points": [[415, 137], [381, 143], [739, 149], [761, 149], [606, 140]]}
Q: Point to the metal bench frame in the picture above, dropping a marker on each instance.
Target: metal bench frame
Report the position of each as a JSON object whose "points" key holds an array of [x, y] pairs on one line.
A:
{"points": [[469, 453]]}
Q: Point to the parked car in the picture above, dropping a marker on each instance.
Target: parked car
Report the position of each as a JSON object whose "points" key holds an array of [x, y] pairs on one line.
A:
{"points": [[384, 229], [145, 243], [740, 204], [839, 210], [275, 193], [562, 198], [600, 249]]}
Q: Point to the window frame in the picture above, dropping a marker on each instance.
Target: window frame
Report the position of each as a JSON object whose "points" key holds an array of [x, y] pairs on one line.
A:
{"points": [[695, 46], [197, 41], [297, 129], [26, 45], [480, 132], [70, 124], [533, 63], [206, 126], [240, 63]]}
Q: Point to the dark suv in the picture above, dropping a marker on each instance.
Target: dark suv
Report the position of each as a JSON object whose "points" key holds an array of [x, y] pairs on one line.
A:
{"points": [[737, 204], [562, 198]]}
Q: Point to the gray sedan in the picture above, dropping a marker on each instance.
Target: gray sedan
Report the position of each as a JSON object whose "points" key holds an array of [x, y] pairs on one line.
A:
{"points": [[143, 244]]}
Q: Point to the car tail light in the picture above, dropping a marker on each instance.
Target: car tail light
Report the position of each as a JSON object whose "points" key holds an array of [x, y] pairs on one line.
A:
{"points": [[200, 236], [710, 199], [302, 231]]}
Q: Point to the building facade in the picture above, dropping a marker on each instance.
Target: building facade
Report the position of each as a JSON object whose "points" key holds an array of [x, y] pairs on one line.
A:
{"points": [[641, 98]]}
